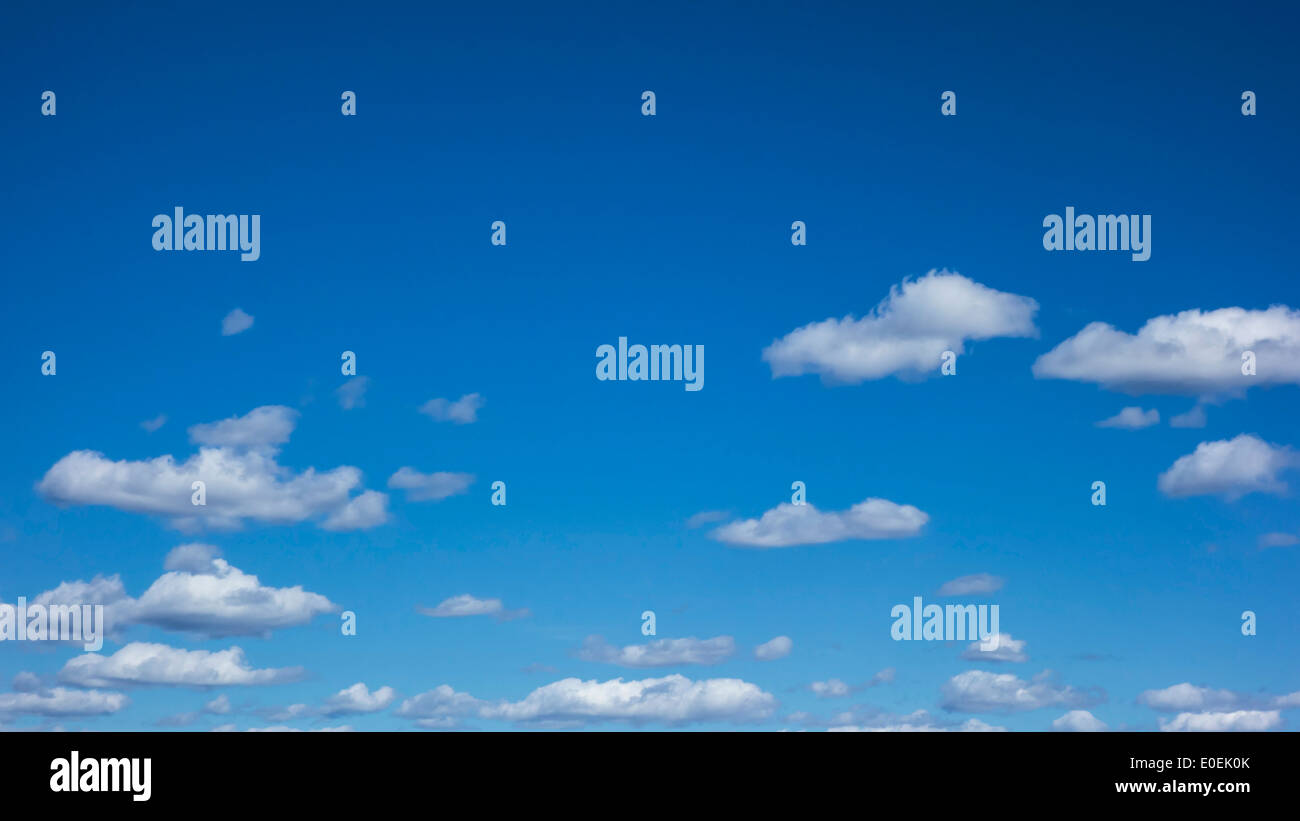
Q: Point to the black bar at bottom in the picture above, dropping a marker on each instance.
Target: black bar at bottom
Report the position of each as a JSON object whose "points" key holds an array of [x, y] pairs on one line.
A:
{"points": [[667, 771]]}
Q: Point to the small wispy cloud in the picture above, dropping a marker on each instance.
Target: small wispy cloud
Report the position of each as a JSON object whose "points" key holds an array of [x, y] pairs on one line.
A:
{"points": [[467, 605], [1132, 418], [975, 584], [236, 322], [155, 423], [352, 393], [463, 411]]}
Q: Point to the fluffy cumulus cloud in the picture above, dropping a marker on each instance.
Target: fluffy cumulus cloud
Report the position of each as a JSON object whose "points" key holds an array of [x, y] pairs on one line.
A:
{"points": [[60, 702], [463, 411], [242, 479], [1230, 468], [773, 649], [1132, 418], [467, 605], [1192, 353], [788, 525], [267, 426], [906, 334], [200, 594], [1185, 697], [141, 663], [224, 601], [1241, 721], [362, 512], [977, 584], [660, 652], [358, 699], [422, 487], [1007, 649], [101, 590], [673, 699], [979, 691], [195, 557], [440, 707], [1079, 721]]}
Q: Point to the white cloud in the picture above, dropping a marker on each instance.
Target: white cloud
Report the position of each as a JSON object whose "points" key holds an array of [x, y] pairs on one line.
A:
{"points": [[1079, 721], [1230, 468], [192, 558], [107, 591], [358, 699], [906, 334], [1278, 540], [422, 487], [352, 393], [707, 517], [1192, 353], [673, 699], [1239, 721], [787, 525], [438, 707], [224, 602], [236, 322], [463, 411], [831, 688], [467, 605], [289, 713], [219, 706], [140, 663], [978, 691], [973, 585], [1185, 696], [659, 652], [1008, 649], [154, 424], [1194, 418], [60, 701], [199, 594], [885, 676], [263, 427], [773, 649], [242, 479], [230, 728], [919, 721], [1132, 418], [369, 509]]}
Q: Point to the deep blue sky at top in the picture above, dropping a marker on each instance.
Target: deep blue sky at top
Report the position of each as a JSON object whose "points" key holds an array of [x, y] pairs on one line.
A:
{"points": [[672, 229]]}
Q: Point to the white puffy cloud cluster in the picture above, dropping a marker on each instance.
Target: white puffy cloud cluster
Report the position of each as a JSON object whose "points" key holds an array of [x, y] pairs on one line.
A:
{"points": [[1191, 353], [788, 525], [906, 334], [242, 479]]}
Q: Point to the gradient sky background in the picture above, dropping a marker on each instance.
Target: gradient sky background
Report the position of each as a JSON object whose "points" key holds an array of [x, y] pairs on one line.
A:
{"points": [[664, 229]]}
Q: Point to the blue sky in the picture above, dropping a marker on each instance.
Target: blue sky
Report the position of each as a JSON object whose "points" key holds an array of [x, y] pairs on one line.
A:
{"points": [[671, 229]]}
